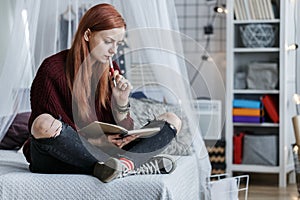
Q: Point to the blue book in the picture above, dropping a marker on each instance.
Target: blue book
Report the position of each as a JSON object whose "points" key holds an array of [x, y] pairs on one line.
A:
{"points": [[245, 103]]}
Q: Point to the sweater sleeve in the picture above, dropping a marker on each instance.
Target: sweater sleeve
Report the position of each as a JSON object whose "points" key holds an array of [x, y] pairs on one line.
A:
{"points": [[127, 123], [50, 94]]}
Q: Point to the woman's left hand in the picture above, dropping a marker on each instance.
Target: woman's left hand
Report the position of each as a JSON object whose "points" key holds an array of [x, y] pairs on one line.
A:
{"points": [[122, 89]]}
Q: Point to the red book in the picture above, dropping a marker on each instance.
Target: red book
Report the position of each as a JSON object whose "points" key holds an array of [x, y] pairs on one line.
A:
{"points": [[238, 148], [272, 107]]}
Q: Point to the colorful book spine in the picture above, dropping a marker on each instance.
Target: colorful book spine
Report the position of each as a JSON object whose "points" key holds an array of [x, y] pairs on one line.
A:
{"points": [[247, 112], [245, 103], [248, 119]]}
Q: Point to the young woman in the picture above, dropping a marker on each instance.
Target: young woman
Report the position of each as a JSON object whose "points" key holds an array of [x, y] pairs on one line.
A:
{"points": [[75, 87]]}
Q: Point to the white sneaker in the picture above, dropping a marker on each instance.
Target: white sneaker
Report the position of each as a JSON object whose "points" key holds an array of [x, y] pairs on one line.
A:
{"points": [[161, 164], [127, 167]]}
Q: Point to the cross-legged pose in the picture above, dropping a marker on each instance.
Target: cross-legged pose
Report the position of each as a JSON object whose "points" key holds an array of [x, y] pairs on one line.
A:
{"points": [[76, 87]]}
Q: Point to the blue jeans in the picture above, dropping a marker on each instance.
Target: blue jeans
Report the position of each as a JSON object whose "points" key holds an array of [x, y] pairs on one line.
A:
{"points": [[69, 153]]}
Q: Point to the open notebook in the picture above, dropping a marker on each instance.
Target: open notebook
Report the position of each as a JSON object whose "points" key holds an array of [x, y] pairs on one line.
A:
{"points": [[94, 129]]}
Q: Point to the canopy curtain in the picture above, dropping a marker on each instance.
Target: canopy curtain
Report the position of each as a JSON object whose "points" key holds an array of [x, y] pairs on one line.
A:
{"points": [[154, 41], [17, 70], [44, 27]]}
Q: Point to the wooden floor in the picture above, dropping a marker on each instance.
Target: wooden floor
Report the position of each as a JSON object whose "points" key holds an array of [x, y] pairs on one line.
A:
{"points": [[265, 187], [260, 192]]}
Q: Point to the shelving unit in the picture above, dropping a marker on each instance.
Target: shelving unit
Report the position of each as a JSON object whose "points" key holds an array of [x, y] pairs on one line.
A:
{"points": [[238, 58]]}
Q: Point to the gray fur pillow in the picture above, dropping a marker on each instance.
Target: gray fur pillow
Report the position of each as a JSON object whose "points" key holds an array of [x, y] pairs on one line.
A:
{"points": [[143, 110]]}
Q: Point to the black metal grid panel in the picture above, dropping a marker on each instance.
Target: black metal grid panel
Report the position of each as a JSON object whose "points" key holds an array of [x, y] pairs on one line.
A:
{"points": [[193, 16]]}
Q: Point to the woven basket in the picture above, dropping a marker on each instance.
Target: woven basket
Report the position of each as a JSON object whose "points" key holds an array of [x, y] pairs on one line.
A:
{"points": [[258, 35]]}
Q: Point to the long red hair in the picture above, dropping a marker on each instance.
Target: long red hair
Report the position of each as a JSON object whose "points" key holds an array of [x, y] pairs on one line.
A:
{"points": [[98, 18]]}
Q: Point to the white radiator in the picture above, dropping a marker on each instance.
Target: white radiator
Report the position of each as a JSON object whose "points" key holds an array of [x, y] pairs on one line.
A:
{"points": [[208, 113]]}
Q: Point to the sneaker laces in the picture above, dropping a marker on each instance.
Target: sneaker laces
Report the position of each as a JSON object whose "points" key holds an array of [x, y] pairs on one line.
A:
{"points": [[153, 166], [150, 167]]}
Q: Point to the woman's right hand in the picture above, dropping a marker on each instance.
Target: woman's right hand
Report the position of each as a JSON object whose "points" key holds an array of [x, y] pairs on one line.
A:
{"points": [[121, 91], [121, 141]]}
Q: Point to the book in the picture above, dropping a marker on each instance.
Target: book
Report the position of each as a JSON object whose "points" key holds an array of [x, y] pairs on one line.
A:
{"points": [[256, 9], [236, 10], [270, 8], [262, 9], [247, 119], [247, 10], [94, 130], [247, 112], [252, 9], [272, 107], [267, 13], [245, 103], [242, 9]]}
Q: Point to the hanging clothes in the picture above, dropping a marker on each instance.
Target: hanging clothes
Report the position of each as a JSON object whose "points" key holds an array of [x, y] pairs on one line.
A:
{"points": [[67, 29]]}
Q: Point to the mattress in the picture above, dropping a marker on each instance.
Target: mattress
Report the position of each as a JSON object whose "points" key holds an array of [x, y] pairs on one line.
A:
{"points": [[16, 182]]}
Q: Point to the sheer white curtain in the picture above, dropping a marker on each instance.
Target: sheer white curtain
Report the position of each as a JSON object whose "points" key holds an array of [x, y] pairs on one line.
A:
{"points": [[153, 40], [34, 34], [17, 70]]}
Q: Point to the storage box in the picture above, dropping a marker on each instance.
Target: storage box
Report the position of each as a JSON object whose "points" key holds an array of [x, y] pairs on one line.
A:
{"points": [[262, 76], [260, 150]]}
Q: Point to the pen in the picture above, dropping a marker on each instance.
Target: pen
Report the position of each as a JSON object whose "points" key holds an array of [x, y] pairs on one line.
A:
{"points": [[112, 71]]}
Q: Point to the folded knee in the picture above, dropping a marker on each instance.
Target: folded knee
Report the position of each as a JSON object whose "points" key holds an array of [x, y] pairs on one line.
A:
{"points": [[172, 119], [45, 126]]}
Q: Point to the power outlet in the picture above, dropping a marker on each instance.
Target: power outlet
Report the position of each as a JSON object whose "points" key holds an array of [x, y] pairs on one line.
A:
{"points": [[208, 30]]}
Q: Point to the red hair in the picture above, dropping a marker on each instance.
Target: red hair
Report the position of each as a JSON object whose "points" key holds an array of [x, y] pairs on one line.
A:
{"points": [[98, 18]]}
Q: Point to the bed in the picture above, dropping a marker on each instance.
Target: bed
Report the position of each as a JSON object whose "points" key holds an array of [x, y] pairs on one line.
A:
{"points": [[16, 182], [186, 182]]}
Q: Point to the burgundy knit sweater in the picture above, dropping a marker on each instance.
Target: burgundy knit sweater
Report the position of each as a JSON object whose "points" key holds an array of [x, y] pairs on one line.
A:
{"points": [[50, 94]]}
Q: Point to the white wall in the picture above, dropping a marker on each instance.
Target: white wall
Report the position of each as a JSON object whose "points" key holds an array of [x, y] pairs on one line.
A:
{"points": [[193, 15]]}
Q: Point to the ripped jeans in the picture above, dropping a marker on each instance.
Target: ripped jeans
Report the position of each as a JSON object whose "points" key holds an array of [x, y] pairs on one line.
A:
{"points": [[70, 153]]}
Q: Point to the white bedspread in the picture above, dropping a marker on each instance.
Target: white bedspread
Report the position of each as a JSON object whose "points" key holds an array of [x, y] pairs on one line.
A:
{"points": [[16, 182]]}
